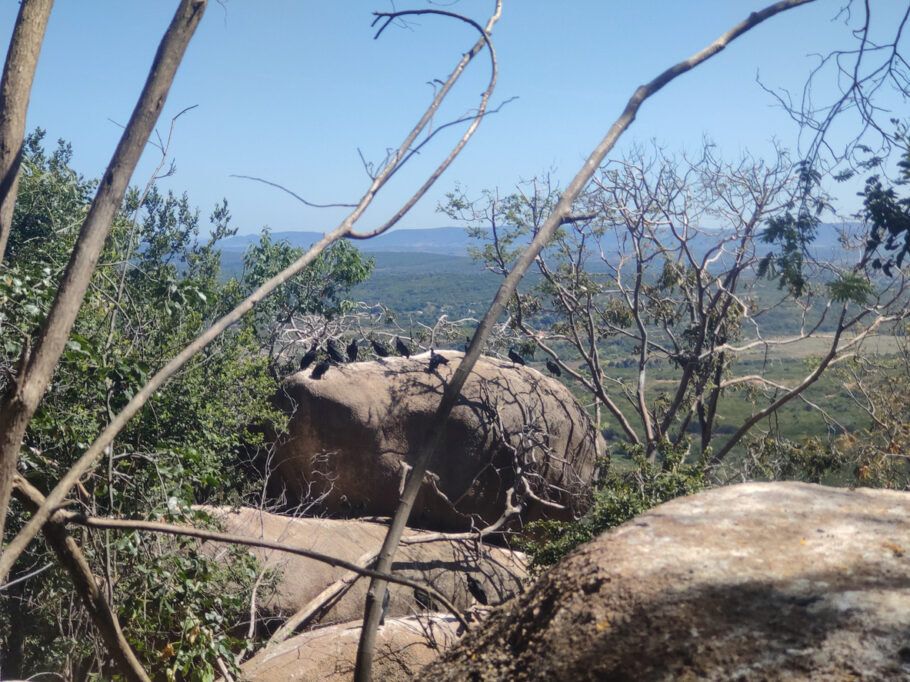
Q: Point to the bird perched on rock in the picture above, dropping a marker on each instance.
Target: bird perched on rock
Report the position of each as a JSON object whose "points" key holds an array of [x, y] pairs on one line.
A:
{"points": [[476, 590], [308, 358], [334, 351], [435, 361], [352, 355], [320, 369], [515, 357], [379, 348], [402, 348], [554, 368]]}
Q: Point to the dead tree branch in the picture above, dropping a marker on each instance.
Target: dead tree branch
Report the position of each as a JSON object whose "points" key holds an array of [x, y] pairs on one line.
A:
{"points": [[214, 536]]}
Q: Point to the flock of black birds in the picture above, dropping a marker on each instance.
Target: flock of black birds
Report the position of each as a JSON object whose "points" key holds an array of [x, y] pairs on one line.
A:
{"points": [[333, 349], [337, 357]]}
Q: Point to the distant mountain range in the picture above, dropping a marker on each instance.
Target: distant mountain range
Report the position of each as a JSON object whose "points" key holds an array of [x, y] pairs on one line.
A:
{"points": [[445, 241], [451, 241]]}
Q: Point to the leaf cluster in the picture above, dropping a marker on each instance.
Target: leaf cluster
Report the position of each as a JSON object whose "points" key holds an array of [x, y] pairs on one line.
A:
{"points": [[619, 495]]}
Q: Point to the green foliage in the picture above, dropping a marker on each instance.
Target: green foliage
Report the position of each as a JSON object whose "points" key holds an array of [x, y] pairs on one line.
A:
{"points": [[793, 231], [889, 216], [814, 460], [156, 288], [183, 606], [322, 288], [618, 497], [850, 286]]}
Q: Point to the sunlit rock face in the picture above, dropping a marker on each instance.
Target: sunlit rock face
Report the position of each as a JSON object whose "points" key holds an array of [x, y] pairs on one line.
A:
{"points": [[355, 431], [403, 647], [761, 581], [445, 564]]}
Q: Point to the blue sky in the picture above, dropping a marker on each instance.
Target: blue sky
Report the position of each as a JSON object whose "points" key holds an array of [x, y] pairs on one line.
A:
{"points": [[290, 90]]}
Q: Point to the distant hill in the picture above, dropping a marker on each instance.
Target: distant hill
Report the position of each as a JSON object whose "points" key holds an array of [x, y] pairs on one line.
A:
{"points": [[454, 241], [425, 273], [446, 241]]}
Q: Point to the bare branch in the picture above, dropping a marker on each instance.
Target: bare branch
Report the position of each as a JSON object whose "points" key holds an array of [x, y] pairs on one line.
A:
{"points": [[293, 194], [214, 536]]}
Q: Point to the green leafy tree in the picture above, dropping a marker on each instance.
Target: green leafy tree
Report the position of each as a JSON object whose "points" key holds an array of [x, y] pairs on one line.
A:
{"points": [[888, 214], [322, 289], [156, 288]]}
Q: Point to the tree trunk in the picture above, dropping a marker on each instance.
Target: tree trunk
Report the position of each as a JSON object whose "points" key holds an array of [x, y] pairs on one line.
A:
{"points": [[37, 367], [15, 89]]}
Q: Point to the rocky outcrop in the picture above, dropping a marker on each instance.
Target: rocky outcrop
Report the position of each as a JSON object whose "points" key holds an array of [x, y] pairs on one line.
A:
{"points": [[783, 581], [354, 431], [443, 564], [403, 647]]}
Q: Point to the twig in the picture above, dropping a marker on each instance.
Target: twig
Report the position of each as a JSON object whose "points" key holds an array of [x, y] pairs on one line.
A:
{"points": [[215, 536]]}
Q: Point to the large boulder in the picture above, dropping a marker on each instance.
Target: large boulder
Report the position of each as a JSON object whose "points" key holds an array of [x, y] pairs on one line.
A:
{"points": [[403, 647], [443, 564], [354, 432], [782, 581]]}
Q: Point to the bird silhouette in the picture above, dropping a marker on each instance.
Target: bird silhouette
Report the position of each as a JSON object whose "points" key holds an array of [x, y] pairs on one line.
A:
{"points": [[402, 348], [554, 368], [476, 590], [379, 348], [435, 361], [352, 355], [320, 369], [467, 343], [385, 606], [308, 358], [515, 357], [334, 351]]}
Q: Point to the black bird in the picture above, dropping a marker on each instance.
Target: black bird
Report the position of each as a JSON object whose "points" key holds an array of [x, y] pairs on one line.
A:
{"points": [[515, 357], [435, 361], [320, 369], [553, 367], [385, 606], [308, 358], [476, 590], [467, 343], [352, 357], [402, 348], [380, 348], [422, 597], [334, 351]]}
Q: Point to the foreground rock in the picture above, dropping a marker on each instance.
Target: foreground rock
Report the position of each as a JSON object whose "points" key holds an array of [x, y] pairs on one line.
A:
{"points": [[352, 429], [403, 647], [444, 565], [781, 581]]}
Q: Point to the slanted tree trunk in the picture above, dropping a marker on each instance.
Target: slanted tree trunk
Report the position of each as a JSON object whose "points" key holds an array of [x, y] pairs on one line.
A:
{"points": [[15, 88], [36, 366]]}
